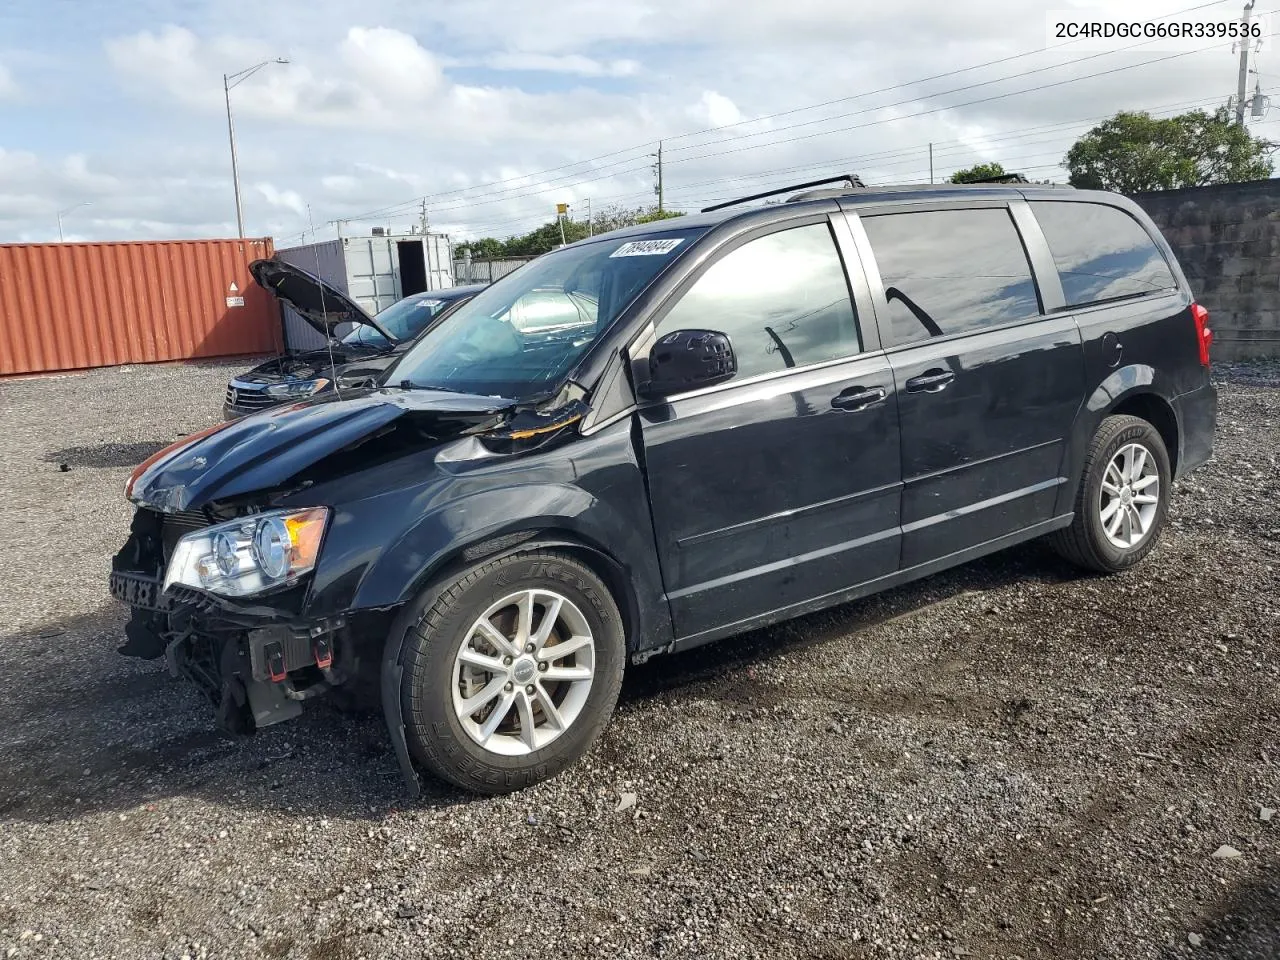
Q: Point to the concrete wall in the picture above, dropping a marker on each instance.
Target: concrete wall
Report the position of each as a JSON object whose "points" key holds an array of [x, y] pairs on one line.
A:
{"points": [[1227, 239]]}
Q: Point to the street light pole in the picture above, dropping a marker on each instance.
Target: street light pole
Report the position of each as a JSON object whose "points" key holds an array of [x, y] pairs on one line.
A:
{"points": [[235, 169], [74, 206], [229, 81]]}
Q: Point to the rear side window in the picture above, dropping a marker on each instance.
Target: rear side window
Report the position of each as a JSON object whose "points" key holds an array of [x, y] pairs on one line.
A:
{"points": [[1101, 252], [782, 299], [950, 271]]}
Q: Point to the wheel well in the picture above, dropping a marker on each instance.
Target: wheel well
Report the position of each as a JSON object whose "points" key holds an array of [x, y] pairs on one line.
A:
{"points": [[614, 577], [1158, 413], [594, 558]]}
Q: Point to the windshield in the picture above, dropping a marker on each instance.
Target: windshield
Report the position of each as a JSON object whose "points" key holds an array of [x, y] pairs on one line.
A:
{"points": [[404, 320], [517, 338]]}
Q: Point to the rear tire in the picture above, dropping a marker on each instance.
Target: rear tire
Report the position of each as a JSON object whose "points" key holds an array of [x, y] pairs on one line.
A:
{"points": [[471, 650], [1123, 500]]}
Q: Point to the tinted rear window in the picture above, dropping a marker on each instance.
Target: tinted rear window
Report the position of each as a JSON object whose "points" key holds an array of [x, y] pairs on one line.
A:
{"points": [[951, 271], [1101, 252]]}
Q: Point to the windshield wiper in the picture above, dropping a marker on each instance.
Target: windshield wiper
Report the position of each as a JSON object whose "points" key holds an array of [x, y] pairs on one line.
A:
{"points": [[410, 385]]}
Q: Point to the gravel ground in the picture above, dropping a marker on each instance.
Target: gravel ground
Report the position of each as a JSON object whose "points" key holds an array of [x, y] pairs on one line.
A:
{"points": [[1007, 760]]}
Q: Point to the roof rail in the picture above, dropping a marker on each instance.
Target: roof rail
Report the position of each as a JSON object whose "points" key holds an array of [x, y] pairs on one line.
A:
{"points": [[852, 179], [1001, 178]]}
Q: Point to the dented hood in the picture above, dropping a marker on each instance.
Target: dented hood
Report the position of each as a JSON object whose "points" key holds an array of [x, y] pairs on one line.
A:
{"points": [[267, 450]]}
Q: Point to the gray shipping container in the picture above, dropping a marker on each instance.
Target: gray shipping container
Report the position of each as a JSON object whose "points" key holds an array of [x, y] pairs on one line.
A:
{"points": [[375, 272]]}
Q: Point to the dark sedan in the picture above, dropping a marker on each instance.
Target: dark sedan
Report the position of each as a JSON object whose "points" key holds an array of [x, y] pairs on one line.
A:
{"points": [[350, 361]]}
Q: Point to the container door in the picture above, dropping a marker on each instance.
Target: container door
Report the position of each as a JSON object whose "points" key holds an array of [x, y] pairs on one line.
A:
{"points": [[372, 278]]}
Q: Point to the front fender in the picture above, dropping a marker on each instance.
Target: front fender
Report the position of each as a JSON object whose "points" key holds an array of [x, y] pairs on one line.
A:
{"points": [[381, 551], [405, 566]]}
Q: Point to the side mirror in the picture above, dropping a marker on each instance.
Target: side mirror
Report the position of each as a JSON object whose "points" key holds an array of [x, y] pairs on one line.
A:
{"points": [[688, 360]]}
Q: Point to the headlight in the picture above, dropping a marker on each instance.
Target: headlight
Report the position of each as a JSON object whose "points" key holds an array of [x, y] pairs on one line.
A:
{"points": [[297, 388], [247, 556]]}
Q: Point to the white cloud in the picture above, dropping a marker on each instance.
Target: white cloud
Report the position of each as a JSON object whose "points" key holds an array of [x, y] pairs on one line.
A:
{"points": [[390, 99], [715, 110], [377, 79], [391, 66], [285, 199], [565, 63], [340, 183]]}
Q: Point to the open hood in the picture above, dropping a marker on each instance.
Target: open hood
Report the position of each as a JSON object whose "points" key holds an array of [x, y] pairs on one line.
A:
{"points": [[321, 305]]}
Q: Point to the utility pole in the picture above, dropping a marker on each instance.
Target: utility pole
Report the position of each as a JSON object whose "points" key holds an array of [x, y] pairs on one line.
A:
{"points": [[931, 162], [1242, 86], [658, 168], [422, 220], [589, 233]]}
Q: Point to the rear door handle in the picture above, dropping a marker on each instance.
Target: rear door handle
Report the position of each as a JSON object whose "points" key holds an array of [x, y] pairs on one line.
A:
{"points": [[859, 398], [931, 381]]}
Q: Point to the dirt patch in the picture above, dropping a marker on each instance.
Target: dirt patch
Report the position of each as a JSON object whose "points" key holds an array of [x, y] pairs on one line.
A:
{"points": [[1007, 760]]}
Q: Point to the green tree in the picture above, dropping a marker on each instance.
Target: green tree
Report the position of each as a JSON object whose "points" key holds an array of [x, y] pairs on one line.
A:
{"points": [[654, 214], [979, 171], [1134, 152], [547, 237], [616, 217], [488, 248]]}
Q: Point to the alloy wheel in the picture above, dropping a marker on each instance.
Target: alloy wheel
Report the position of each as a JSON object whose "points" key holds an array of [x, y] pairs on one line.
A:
{"points": [[523, 672], [1130, 496]]}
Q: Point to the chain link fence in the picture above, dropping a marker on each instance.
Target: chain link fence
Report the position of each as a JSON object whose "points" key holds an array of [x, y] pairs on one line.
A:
{"points": [[485, 271]]}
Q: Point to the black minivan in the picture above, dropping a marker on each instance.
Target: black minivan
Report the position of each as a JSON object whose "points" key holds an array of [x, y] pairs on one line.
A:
{"points": [[719, 421]]}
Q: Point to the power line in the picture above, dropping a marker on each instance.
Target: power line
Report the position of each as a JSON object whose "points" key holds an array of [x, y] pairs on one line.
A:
{"points": [[882, 160], [885, 158], [407, 204], [547, 184], [542, 188], [971, 86], [1016, 133], [382, 211], [477, 186], [953, 106], [937, 76]]}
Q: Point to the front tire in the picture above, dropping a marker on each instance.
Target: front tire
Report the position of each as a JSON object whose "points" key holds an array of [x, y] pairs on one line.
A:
{"points": [[1123, 499], [511, 671]]}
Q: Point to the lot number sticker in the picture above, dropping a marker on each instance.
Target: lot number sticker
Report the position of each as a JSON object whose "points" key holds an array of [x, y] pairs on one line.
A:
{"points": [[647, 248]]}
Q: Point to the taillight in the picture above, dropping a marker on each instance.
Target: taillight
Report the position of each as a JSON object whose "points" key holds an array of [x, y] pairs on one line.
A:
{"points": [[1204, 336]]}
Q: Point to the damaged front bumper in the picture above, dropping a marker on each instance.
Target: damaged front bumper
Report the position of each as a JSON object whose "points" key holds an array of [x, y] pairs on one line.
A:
{"points": [[256, 662]]}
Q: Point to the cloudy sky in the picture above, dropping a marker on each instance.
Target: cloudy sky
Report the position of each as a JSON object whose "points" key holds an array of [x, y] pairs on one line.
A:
{"points": [[495, 110]]}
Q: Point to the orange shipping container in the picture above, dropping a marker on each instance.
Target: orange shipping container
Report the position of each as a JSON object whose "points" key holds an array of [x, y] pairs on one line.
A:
{"points": [[66, 306]]}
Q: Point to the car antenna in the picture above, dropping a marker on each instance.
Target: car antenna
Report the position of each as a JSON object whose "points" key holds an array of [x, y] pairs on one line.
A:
{"points": [[324, 307]]}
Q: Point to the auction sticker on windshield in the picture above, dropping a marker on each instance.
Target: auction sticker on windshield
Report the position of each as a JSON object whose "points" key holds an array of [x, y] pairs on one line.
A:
{"points": [[647, 248]]}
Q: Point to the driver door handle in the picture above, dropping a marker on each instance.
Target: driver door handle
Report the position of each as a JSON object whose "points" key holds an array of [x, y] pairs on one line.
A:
{"points": [[858, 398], [931, 381]]}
